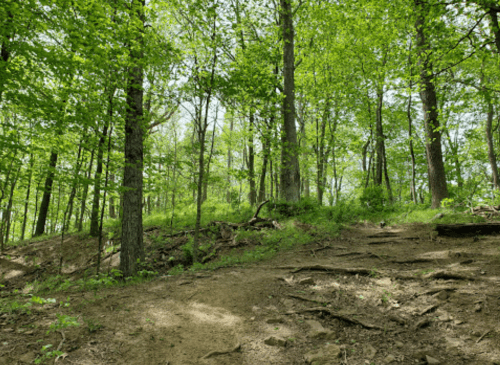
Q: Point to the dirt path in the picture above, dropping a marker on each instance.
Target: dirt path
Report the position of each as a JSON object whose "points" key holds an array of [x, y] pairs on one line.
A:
{"points": [[373, 296]]}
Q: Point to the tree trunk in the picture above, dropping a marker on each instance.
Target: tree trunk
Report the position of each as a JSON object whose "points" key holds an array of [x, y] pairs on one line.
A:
{"points": [[229, 160], [489, 140], [47, 191], [26, 203], [132, 247], [495, 27], [94, 218], [435, 165], [290, 173], [112, 211], [379, 140], [266, 145], [252, 196], [79, 222], [412, 152], [8, 211]]}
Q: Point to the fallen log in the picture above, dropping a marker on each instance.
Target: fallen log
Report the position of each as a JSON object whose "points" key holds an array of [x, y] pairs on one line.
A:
{"points": [[467, 229]]}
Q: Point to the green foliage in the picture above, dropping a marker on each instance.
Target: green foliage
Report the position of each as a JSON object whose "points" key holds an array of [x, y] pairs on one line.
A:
{"points": [[292, 209], [63, 321], [374, 198]]}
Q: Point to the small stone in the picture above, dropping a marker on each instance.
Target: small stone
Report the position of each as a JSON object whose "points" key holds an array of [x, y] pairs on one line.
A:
{"points": [[399, 345], [274, 320], [432, 361], [369, 351], [184, 282], [306, 281], [477, 308], [275, 341], [457, 322], [8, 330], [327, 355], [289, 303], [389, 359], [442, 295]]}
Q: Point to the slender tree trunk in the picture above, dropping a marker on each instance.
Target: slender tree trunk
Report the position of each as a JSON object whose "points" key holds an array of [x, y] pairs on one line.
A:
{"points": [[79, 225], [229, 160], [47, 191], [412, 152], [69, 211], [94, 218], [8, 211], [379, 140], [290, 173], [252, 197], [265, 159], [132, 248], [26, 203], [112, 211], [36, 207], [436, 171]]}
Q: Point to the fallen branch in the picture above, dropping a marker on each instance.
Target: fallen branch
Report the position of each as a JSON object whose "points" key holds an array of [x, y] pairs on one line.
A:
{"points": [[217, 353], [338, 316]]}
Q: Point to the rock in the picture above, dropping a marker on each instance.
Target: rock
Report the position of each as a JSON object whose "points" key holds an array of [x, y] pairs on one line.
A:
{"points": [[275, 341], [389, 359], [477, 308], [328, 355], [442, 295], [184, 282], [289, 303], [317, 331], [369, 351], [306, 281], [431, 360], [274, 320], [399, 345]]}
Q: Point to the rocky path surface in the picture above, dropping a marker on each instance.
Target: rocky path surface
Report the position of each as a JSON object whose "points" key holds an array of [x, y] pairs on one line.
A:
{"points": [[394, 295]]}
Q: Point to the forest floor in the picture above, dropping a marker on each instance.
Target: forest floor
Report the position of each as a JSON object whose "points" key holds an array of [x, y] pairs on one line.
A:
{"points": [[399, 294]]}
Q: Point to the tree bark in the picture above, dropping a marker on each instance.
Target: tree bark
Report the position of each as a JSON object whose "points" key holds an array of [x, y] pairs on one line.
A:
{"points": [[112, 210], [132, 247], [94, 218], [79, 221], [290, 173], [47, 191], [26, 203], [252, 196], [435, 165], [489, 139]]}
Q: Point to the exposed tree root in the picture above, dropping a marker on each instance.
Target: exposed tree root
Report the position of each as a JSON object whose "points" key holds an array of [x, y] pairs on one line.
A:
{"points": [[336, 270], [306, 299], [338, 316], [217, 353]]}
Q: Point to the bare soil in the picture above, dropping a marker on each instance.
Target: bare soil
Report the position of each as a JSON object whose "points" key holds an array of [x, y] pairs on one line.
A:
{"points": [[400, 295]]}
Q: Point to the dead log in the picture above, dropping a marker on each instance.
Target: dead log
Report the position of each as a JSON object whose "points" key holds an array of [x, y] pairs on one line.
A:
{"points": [[467, 229]]}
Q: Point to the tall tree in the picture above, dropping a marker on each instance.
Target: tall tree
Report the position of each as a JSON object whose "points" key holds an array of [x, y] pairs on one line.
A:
{"points": [[435, 165], [132, 247], [290, 173]]}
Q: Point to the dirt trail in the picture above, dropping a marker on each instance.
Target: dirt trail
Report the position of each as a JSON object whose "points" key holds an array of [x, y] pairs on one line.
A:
{"points": [[398, 295]]}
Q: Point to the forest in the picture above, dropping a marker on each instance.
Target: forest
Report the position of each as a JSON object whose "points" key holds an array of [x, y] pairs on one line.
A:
{"points": [[229, 182], [116, 111]]}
